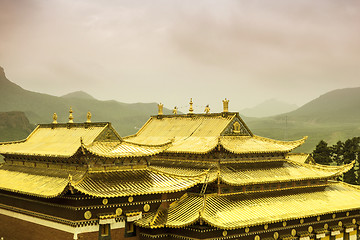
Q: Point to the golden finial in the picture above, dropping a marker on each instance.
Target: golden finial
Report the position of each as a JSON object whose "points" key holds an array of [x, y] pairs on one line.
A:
{"points": [[207, 109], [70, 177], [160, 109], [226, 105], [71, 118], [54, 118], [191, 109], [175, 110], [88, 117]]}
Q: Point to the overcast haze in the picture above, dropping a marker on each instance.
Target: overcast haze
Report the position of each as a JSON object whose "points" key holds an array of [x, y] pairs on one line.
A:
{"points": [[168, 51]]}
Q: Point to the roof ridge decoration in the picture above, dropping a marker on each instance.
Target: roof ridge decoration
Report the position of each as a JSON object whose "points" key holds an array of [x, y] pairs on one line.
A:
{"points": [[160, 108], [88, 117], [55, 117], [108, 134], [225, 105], [71, 117], [236, 126], [191, 109]]}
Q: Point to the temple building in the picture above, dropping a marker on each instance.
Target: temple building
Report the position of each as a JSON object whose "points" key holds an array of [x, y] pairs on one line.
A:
{"points": [[181, 176]]}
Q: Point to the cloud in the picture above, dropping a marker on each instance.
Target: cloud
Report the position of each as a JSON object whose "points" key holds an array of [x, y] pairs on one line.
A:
{"points": [[172, 50]]}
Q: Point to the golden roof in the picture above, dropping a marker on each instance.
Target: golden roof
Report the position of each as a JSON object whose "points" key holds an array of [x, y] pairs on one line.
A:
{"points": [[49, 182], [256, 144], [55, 140], [288, 171], [201, 133], [123, 149], [133, 182], [165, 128], [64, 140], [244, 210], [237, 174], [36, 181]]}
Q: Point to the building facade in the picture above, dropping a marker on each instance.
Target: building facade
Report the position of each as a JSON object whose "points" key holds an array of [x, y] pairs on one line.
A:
{"points": [[182, 176]]}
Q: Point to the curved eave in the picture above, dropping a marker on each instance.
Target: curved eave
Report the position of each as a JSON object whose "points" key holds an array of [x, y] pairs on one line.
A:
{"points": [[272, 181], [126, 149], [279, 146], [333, 172], [179, 184], [189, 148], [295, 206], [132, 194], [39, 154], [309, 213], [225, 227], [123, 155], [36, 181], [36, 194]]}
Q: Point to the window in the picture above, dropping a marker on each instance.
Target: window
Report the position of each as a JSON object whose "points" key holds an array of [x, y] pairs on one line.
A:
{"points": [[104, 232], [104, 229], [130, 229], [236, 127]]}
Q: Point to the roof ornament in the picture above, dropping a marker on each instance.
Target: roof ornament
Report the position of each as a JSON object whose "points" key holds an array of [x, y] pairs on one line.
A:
{"points": [[55, 118], [175, 110], [160, 108], [71, 118], [191, 109], [226, 105], [207, 109], [70, 177], [88, 117]]}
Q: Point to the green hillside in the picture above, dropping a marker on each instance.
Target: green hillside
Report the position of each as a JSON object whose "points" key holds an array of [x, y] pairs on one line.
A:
{"points": [[14, 126], [340, 106], [332, 117], [39, 108], [270, 107]]}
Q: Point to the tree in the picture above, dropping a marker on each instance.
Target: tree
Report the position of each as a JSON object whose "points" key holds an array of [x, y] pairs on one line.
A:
{"points": [[337, 152], [341, 153], [322, 153]]}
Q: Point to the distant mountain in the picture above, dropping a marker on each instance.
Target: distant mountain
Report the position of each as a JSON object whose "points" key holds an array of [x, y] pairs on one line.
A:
{"points": [[338, 106], [14, 126], [78, 94], [39, 108], [268, 108], [331, 117]]}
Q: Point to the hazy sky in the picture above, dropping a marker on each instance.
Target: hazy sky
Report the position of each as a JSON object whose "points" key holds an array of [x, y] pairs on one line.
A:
{"points": [[168, 51]]}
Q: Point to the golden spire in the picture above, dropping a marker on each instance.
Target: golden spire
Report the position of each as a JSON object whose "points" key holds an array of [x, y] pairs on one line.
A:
{"points": [[175, 110], [191, 109], [160, 109], [71, 118], [88, 117], [207, 109], [226, 105], [54, 118]]}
